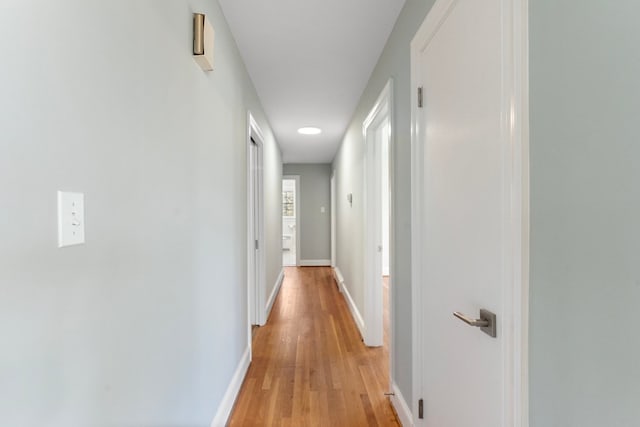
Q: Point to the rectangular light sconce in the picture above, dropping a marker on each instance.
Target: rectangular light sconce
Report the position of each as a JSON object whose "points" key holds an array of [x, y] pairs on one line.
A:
{"points": [[203, 37]]}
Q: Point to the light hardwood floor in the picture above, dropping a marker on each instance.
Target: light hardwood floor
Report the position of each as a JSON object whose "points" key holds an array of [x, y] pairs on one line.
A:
{"points": [[310, 367]]}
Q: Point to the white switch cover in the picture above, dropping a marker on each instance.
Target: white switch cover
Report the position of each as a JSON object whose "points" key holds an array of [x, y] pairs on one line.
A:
{"points": [[70, 219], [322, 209]]}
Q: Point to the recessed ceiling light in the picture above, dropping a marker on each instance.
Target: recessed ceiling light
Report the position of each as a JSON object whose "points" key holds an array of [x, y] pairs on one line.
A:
{"points": [[309, 131]]}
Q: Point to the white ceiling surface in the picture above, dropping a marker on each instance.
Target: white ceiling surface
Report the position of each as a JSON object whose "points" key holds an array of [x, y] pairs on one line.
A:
{"points": [[310, 60]]}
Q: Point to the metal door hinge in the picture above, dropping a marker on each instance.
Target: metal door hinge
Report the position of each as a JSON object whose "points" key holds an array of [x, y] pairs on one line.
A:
{"points": [[421, 409], [256, 245], [420, 97]]}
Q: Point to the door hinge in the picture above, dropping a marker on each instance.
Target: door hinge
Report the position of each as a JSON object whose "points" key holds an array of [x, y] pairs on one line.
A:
{"points": [[257, 245], [420, 97], [421, 409]]}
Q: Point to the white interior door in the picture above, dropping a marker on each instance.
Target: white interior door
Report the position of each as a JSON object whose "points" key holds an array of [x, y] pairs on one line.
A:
{"points": [[463, 253]]}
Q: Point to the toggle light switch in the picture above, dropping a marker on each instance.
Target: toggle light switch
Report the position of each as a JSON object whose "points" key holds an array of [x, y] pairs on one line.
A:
{"points": [[70, 219]]}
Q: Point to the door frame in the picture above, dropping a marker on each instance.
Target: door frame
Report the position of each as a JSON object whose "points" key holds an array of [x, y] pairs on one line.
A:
{"points": [[373, 316], [516, 125], [333, 218], [296, 178], [256, 290]]}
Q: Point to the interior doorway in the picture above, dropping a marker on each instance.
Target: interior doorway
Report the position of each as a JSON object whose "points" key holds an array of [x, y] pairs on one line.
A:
{"points": [[333, 219], [377, 131], [290, 220], [255, 227]]}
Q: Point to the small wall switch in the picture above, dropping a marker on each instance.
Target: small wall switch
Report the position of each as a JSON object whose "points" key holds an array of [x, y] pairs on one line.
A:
{"points": [[322, 209], [70, 219]]}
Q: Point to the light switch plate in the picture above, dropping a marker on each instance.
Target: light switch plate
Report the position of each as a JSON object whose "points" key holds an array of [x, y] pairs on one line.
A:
{"points": [[70, 219]]}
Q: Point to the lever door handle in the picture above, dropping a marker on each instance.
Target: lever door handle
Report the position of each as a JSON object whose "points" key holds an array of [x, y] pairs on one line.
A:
{"points": [[486, 322], [469, 321]]}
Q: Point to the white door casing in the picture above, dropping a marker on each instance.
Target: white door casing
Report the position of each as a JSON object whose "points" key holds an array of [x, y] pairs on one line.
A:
{"points": [[333, 219], [256, 290], [470, 213], [376, 127]]}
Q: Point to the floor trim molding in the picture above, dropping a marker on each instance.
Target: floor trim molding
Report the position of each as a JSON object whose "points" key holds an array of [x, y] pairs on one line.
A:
{"points": [[229, 399], [400, 406], [315, 263], [357, 317], [274, 294]]}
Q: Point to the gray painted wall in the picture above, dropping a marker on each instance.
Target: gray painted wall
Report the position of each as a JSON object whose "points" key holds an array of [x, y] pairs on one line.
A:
{"points": [[147, 322], [585, 213], [395, 63], [315, 192]]}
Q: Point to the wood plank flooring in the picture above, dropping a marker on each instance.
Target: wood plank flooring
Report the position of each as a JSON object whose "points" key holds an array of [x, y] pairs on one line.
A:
{"points": [[310, 367]]}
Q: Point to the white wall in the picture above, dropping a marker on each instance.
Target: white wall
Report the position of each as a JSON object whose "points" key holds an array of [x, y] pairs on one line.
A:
{"points": [[348, 164], [147, 322]]}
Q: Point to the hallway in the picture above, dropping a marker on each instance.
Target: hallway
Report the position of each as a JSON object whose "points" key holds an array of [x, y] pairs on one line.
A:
{"points": [[310, 366]]}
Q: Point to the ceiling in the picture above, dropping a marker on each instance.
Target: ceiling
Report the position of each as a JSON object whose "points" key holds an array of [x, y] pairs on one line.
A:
{"points": [[310, 60]]}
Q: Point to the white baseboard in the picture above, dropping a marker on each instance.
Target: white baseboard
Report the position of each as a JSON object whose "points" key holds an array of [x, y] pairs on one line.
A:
{"points": [[337, 276], [274, 293], [315, 263], [357, 317], [224, 410], [401, 407]]}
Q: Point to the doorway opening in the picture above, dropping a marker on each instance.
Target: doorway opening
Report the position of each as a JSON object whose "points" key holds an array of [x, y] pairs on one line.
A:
{"points": [[290, 220], [255, 227], [378, 131], [333, 219]]}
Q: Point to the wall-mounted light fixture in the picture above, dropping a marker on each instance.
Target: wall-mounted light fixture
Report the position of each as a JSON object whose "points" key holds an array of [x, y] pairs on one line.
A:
{"points": [[203, 38]]}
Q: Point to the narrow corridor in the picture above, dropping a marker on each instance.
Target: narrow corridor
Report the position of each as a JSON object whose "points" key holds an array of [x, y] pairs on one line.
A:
{"points": [[310, 366]]}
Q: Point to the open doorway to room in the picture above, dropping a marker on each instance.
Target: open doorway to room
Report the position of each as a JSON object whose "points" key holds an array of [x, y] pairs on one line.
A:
{"points": [[377, 129], [379, 293], [255, 226], [290, 220]]}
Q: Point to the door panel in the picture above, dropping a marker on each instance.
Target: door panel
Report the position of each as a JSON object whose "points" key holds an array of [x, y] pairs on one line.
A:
{"points": [[465, 211]]}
